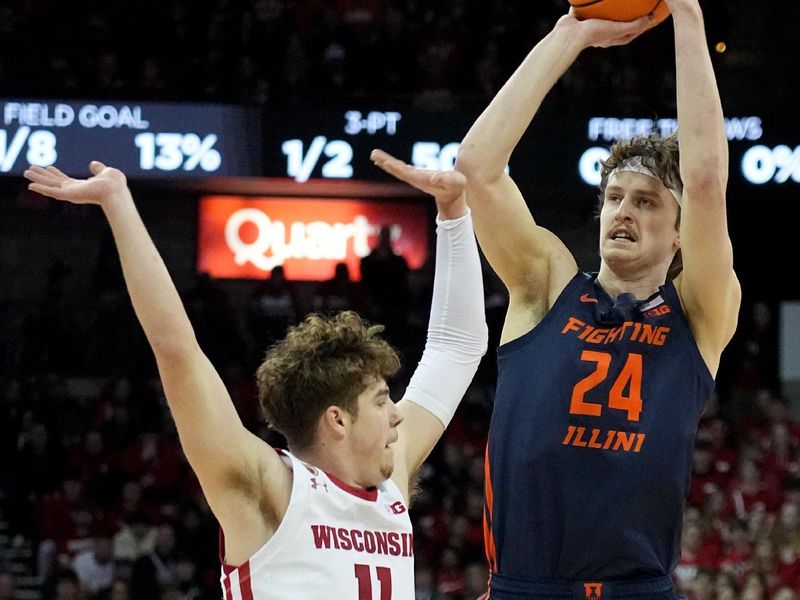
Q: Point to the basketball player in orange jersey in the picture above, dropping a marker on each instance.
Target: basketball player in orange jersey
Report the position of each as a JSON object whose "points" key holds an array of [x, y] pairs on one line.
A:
{"points": [[603, 377], [328, 519]]}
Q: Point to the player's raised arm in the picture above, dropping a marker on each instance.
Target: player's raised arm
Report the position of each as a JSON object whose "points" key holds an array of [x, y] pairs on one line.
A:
{"points": [[708, 286], [516, 248], [457, 332], [230, 462]]}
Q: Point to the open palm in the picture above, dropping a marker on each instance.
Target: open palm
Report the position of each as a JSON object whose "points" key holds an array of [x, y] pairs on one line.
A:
{"points": [[445, 186], [52, 182]]}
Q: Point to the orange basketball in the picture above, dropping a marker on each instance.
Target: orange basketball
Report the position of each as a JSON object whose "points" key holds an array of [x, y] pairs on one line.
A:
{"points": [[620, 10]]}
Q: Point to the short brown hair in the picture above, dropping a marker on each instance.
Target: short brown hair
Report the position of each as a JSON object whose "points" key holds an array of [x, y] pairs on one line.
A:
{"points": [[662, 156], [323, 361]]}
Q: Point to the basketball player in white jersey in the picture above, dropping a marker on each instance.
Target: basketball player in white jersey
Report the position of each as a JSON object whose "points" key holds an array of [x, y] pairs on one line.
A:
{"points": [[327, 519]]}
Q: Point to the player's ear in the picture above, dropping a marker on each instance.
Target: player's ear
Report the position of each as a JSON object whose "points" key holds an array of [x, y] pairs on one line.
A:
{"points": [[335, 420]]}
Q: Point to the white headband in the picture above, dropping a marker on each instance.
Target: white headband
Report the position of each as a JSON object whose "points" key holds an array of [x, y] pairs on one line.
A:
{"points": [[635, 165]]}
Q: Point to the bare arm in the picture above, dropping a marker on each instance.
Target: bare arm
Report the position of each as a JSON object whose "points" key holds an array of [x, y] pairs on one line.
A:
{"points": [[231, 463], [708, 285], [531, 261], [457, 332]]}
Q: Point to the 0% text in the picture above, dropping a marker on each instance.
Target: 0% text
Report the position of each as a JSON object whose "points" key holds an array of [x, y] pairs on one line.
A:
{"points": [[761, 164]]}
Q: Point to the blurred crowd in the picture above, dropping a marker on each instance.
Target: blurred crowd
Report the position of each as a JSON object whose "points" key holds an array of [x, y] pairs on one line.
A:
{"points": [[291, 51]]}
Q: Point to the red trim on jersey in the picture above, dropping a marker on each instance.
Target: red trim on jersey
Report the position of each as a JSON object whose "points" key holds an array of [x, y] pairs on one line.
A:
{"points": [[228, 592], [244, 582], [488, 535], [370, 494], [245, 588]]}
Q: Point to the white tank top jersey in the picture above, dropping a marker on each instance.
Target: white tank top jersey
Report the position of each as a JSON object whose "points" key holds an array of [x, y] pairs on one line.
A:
{"points": [[335, 542]]}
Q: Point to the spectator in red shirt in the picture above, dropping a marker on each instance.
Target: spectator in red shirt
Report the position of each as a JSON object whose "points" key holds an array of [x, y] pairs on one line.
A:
{"points": [[706, 477], [751, 488]]}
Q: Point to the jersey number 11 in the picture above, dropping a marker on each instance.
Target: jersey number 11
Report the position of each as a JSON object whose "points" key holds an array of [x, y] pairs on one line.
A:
{"points": [[364, 578]]}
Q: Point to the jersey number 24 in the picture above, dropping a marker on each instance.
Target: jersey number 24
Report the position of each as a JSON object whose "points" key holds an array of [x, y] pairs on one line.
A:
{"points": [[629, 377]]}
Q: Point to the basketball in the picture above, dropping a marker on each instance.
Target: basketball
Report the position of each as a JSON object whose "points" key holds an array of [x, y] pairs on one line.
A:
{"points": [[620, 10]]}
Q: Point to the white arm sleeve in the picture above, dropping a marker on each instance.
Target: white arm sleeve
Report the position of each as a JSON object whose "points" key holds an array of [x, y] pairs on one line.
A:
{"points": [[457, 332]]}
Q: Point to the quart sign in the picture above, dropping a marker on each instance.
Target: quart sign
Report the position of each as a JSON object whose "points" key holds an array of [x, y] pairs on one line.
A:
{"points": [[242, 237]]}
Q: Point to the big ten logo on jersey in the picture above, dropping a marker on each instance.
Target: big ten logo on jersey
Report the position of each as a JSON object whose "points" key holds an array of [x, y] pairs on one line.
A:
{"points": [[658, 311], [396, 508]]}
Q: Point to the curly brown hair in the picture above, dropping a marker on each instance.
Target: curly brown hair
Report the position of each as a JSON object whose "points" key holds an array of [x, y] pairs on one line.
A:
{"points": [[323, 361], [659, 154]]}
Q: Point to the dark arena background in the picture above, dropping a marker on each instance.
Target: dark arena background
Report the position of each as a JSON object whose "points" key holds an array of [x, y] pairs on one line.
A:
{"points": [[245, 129]]}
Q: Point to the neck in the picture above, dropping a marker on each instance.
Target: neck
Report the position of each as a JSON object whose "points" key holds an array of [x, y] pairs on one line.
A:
{"points": [[641, 286], [325, 457]]}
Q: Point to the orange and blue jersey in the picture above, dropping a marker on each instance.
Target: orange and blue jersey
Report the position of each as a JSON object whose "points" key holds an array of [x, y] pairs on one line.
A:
{"points": [[590, 446]]}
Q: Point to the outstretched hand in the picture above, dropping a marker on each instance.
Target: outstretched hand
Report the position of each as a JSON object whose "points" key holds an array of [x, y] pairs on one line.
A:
{"points": [[600, 33], [104, 183], [446, 186]]}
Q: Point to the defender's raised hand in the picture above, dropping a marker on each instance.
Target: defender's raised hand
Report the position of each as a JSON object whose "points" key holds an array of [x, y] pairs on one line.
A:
{"points": [[446, 186], [104, 183]]}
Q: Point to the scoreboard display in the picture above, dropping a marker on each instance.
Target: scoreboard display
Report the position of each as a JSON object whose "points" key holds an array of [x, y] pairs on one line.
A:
{"points": [[560, 148], [191, 141], [145, 140]]}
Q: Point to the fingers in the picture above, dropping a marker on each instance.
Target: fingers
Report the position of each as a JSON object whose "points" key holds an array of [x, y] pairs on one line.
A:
{"points": [[390, 164], [617, 33], [643, 22], [444, 185], [96, 166], [378, 155], [625, 38], [49, 191], [43, 176], [55, 171], [414, 176]]}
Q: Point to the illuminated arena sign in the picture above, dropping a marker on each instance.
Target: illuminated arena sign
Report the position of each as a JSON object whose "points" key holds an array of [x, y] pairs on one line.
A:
{"points": [[241, 237]]}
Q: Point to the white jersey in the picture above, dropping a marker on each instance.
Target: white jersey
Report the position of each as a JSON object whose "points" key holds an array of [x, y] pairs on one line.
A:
{"points": [[335, 542]]}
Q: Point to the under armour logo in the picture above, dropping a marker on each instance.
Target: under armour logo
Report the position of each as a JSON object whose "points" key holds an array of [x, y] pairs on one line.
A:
{"points": [[315, 484], [593, 591]]}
